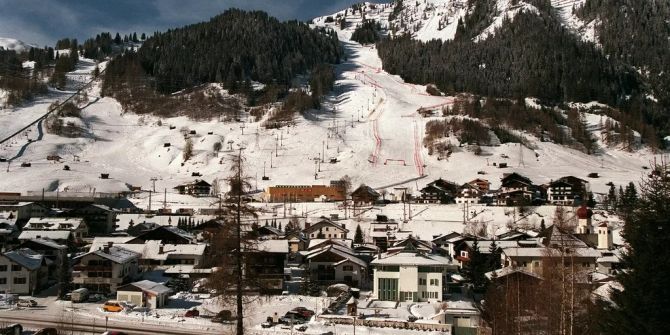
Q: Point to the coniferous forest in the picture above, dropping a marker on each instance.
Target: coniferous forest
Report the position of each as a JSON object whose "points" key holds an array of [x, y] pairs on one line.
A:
{"points": [[535, 56], [231, 48]]}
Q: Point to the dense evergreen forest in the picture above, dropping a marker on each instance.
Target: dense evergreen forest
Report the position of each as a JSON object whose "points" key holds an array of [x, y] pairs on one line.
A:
{"points": [[367, 33], [234, 47], [535, 56], [23, 84]]}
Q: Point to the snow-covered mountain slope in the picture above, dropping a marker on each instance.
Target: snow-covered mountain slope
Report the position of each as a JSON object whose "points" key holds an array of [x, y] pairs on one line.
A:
{"points": [[369, 129], [14, 44], [438, 19]]}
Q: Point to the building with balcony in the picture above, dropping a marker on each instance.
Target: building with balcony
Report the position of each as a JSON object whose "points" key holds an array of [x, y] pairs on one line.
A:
{"points": [[411, 275], [105, 269]]}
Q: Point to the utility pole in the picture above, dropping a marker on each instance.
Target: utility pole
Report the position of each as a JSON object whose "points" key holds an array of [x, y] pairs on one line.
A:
{"points": [[238, 251], [150, 200], [153, 180], [165, 198]]}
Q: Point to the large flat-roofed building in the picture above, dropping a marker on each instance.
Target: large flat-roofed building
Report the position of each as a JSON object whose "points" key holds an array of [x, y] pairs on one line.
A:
{"points": [[307, 193]]}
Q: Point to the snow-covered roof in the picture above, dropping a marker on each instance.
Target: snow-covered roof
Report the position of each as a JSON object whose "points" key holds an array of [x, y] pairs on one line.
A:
{"points": [[314, 243], [274, 246], [544, 252], [152, 249], [115, 254], [345, 253], [27, 258], [50, 234], [152, 287], [411, 258], [123, 220], [48, 243], [54, 224], [508, 270]]}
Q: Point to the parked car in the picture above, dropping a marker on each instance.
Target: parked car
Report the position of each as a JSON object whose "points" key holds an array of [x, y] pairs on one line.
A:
{"points": [[306, 313], [26, 303], [47, 331], [302, 328], [112, 306], [293, 317], [191, 313]]}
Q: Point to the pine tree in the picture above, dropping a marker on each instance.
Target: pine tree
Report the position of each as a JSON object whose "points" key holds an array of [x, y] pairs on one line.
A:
{"points": [[494, 258], [641, 306], [117, 39], [358, 237], [476, 267]]}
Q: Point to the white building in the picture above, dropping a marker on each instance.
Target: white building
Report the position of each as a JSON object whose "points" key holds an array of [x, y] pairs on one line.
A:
{"points": [[144, 293], [105, 269], [76, 225], [409, 275], [156, 255], [22, 271]]}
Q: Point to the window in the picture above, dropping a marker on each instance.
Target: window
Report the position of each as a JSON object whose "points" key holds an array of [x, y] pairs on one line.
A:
{"points": [[434, 282], [422, 281], [586, 265], [16, 267], [536, 264], [3, 268], [348, 268], [20, 280], [464, 254], [3, 281]]}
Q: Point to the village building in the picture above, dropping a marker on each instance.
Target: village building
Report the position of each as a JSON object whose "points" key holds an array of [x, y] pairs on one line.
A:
{"points": [[469, 194], [266, 263], [154, 255], [63, 237], [482, 184], [51, 250], [165, 234], [105, 269], [77, 226], [325, 229], [515, 190], [439, 191], [307, 193], [334, 263], [364, 196], [23, 271], [554, 243], [411, 275], [144, 293], [198, 188]]}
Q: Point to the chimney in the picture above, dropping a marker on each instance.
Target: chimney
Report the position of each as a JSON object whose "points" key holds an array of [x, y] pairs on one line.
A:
{"points": [[344, 226], [107, 247], [307, 224], [160, 249]]}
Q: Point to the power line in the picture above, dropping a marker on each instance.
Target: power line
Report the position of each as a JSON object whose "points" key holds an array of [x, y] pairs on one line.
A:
{"points": [[51, 110]]}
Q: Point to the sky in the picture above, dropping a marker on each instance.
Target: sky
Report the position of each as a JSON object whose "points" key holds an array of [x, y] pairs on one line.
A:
{"points": [[42, 22]]}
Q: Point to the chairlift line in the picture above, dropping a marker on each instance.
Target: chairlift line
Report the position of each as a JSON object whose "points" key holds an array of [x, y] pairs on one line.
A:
{"points": [[51, 110]]}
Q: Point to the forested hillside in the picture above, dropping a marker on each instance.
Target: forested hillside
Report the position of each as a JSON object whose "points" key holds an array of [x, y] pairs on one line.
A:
{"points": [[534, 55], [637, 32], [231, 48]]}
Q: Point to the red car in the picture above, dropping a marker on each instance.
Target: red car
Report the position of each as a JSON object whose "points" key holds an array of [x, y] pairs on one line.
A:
{"points": [[191, 313], [306, 313]]}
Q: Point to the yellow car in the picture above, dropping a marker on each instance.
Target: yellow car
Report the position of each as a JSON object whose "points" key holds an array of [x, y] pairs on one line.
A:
{"points": [[112, 306]]}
